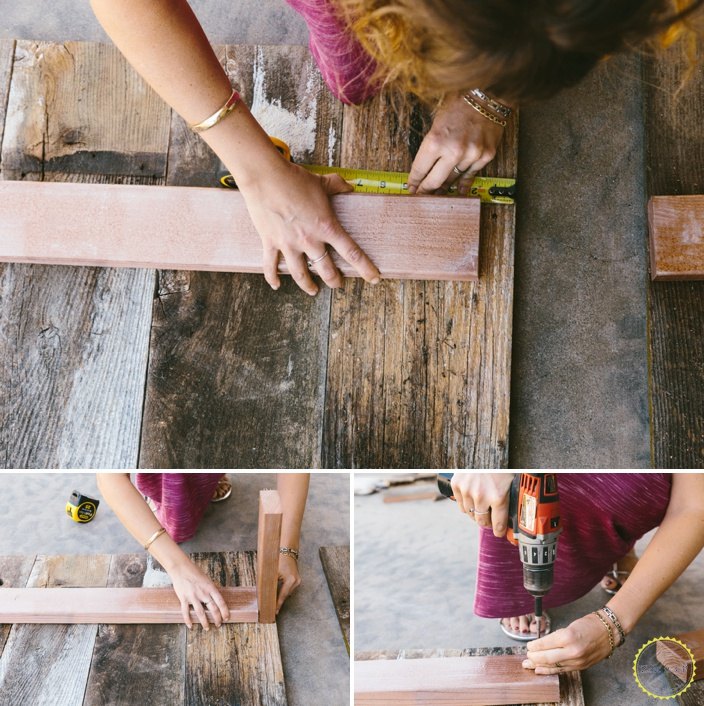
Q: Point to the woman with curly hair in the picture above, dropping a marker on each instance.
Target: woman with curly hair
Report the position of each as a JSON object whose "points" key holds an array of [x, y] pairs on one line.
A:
{"points": [[473, 61]]}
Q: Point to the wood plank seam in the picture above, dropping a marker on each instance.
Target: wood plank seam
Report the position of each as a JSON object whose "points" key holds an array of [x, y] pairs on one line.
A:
{"points": [[419, 237]]}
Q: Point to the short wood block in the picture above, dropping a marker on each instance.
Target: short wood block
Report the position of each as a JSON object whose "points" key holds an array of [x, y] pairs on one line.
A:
{"points": [[113, 605], [469, 681], [191, 228], [678, 663], [268, 543], [676, 226]]}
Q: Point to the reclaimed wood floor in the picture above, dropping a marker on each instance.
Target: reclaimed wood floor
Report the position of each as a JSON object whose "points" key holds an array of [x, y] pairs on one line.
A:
{"points": [[135, 368], [239, 664]]}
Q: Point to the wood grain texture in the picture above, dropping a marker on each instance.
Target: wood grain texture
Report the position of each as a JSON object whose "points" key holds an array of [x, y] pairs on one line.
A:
{"points": [[57, 657], [74, 342], [425, 237], [675, 659], [112, 605], [694, 696], [14, 572], [676, 227], [268, 543], [237, 664], [471, 681], [336, 565], [7, 51], [79, 107], [571, 693], [419, 372], [674, 121], [237, 372], [135, 664]]}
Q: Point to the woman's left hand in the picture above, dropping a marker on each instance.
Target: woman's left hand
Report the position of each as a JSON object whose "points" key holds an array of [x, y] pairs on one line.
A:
{"points": [[289, 578], [578, 646], [459, 137]]}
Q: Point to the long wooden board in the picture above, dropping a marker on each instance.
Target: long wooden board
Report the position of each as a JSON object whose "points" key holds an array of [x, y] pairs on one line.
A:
{"points": [[674, 126], [675, 660], [74, 341], [423, 237], [336, 565], [471, 681], [676, 226], [570, 693], [112, 605]]}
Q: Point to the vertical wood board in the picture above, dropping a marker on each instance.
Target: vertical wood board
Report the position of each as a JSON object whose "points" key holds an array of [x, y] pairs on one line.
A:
{"points": [[268, 543], [237, 370], [419, 372], [674, 125], [14, 572], [336, 565], [7, 52], [49, 664]]}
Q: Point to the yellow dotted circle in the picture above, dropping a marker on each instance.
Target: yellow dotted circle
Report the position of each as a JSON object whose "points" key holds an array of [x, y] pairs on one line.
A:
{"points": [[654, 642]]}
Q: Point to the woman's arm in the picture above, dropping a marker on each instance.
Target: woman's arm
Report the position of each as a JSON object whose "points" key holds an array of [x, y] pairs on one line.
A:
{"points": [[672, 549], [293, 489], [192, 586], [290, 207]]}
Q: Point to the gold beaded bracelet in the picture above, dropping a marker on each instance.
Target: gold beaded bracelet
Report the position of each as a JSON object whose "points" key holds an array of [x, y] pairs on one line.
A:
{"points": [[483, 111], [218, 115], [608, 628]]}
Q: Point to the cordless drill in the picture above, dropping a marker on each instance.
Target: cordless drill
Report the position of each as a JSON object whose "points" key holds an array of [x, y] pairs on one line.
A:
{"points": [[533, 526]]}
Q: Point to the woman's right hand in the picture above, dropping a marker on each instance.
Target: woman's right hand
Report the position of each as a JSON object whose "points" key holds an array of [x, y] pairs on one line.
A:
{"points": [[194, 588], [290, 208], [484, 497]]}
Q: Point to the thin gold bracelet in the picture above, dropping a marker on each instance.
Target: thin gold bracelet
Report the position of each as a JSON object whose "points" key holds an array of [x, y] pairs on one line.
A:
{"points": [[608, 628], [483, 111], [218, 115], [154, 537]]}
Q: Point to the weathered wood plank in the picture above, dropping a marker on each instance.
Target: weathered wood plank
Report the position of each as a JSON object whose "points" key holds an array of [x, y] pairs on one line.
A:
{"points": [[79, 107], [56, 656], [268, 543], [426, 237], [237, 371], [471, 681], [134, 663], [676, 227], [336, 565], [674, 125], [7, 52], [130, 606], [74, 342], [677, 661], [237, 664], [14, 572], [571, 693], [419, 372]]}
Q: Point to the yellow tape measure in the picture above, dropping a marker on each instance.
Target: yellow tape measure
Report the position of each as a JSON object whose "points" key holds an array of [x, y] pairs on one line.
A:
{"points": [[486, 189]]}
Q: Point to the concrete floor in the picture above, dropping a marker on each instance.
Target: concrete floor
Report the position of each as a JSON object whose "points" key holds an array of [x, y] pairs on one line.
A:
{"points": [[579, 346], [315, 660], [414, 571]]}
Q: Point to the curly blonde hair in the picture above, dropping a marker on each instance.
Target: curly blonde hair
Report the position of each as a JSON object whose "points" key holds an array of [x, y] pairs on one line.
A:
{"points": [[515, 49]]}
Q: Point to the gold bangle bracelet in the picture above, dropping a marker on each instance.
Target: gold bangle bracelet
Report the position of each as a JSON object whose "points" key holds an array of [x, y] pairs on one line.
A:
{"points": [[608, 628], [154, 537], [218, 115], [483, 111]]}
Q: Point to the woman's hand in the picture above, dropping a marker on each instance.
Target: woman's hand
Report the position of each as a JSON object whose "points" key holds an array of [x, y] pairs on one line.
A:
{"points": [[194, 588], [578, 646], [484, 497], [291, 210], [289, 578], [459, 137]]}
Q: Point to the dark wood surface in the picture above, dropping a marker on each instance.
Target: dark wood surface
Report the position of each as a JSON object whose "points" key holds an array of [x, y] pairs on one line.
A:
{"points": [[571, 693], [117, 368], [240, 664], [674, 122], [336, 565]]}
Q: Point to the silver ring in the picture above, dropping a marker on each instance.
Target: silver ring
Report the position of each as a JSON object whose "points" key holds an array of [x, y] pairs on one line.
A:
{"points": [[486, 512], [318, 259], [458, 171]]}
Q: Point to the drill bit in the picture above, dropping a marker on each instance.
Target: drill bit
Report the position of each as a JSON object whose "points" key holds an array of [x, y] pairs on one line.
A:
{"points": [[538, 612]]}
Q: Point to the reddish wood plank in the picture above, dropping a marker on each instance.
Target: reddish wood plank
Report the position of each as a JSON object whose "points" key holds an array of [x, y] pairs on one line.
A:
{"points": [[426, 237], [112, 605], [676, 225], [470, 681], [675, 660], [268, 538]]}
